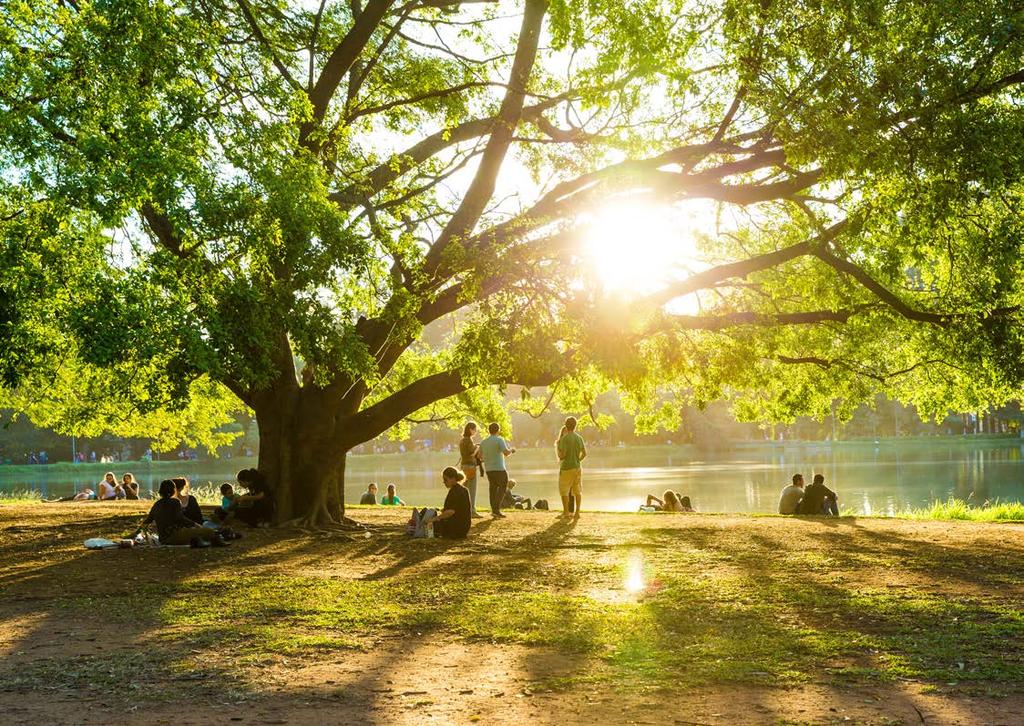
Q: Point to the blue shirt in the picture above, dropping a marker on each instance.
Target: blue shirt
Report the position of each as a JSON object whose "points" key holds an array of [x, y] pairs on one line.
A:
{"points": [[226, 502], [493, 449]]}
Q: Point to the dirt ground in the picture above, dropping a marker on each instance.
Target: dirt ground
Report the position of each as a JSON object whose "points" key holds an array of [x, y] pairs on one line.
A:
{"points": [[433, 677]]}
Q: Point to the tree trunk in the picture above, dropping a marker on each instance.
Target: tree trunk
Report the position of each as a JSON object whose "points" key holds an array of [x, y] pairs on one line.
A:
{"points": [[299, 456]]}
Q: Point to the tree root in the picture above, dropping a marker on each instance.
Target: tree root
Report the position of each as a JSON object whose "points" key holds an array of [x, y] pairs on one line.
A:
{"points": [[320, 521]]}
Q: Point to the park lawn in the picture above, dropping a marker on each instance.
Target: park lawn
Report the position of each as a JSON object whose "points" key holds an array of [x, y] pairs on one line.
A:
{"points": [[746, 617]]}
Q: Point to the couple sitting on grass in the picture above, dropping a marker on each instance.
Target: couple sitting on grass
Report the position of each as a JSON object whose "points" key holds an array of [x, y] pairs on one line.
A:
{"points": [[817, 499], [107, 490], [389, 499]]}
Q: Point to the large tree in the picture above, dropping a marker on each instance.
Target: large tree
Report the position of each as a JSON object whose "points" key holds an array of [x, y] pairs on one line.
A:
{"points": [[297, 190]]}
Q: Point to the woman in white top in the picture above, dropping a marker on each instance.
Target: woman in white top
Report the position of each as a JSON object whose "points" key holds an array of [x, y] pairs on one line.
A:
{"points": [[109, 488]]}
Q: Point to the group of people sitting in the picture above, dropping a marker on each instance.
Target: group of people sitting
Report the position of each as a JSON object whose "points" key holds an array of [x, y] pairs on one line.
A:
{"points": [[108, 489], [815, 499], [179, 520]]}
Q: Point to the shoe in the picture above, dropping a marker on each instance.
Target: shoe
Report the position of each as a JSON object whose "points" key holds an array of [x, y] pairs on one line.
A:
{"points": [[497, 515], [476, 515], [197, 544]]}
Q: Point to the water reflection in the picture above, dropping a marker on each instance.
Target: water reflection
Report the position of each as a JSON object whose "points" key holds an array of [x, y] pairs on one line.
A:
{"points": [[870, 479]]}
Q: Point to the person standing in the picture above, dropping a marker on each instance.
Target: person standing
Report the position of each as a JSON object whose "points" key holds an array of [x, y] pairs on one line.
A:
{"points": [[469, 460], [791, 495], [571, 452], [494, 449]]}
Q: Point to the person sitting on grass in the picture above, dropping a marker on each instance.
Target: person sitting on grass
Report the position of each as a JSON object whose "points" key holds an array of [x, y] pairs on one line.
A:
{"points": [[130, 486], [227, 502], [684, 503], [454, 519], [391, 498], [109, 489], [256, 506], [370, 495], [789, 502], [514, 501], [819, 499], [189, 504], [172, 526]]}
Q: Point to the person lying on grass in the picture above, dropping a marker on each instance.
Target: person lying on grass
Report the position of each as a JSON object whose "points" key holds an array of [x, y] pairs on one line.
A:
{"points": [[669, 503], [82, 496], [172, 526], [514, 501]]}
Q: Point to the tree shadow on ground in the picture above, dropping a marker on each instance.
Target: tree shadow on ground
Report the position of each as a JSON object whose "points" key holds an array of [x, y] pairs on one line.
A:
{"points": [[746, 606]]}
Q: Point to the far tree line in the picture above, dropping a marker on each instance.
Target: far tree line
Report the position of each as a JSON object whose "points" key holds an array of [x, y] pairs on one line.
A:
{"points": [[713, 428]]}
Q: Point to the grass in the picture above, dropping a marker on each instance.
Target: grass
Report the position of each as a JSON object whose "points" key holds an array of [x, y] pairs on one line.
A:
{"points": [[634, 605], [960, 510], [714, 607]]}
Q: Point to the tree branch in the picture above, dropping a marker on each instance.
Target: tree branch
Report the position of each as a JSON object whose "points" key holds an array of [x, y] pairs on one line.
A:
{"points": [[256, 31], [481, 188], [341, 60]]}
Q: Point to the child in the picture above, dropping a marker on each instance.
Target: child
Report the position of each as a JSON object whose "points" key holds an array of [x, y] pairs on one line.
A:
{"points": [[228, 500]]}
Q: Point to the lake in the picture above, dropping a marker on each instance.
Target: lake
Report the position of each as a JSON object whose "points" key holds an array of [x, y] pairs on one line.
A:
{"points": [[870, 478]]}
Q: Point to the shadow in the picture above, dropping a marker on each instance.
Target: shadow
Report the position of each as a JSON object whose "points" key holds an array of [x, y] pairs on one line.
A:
{"points": [[757, 605]]}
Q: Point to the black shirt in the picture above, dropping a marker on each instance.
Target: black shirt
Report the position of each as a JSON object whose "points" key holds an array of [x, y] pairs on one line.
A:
{"points": [[368, 498], [168, 516], [192, 510], [457, 526], [814, 499]]}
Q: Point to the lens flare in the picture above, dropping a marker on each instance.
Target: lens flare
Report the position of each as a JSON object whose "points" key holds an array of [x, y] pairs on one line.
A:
{"points": [[635, 582]]}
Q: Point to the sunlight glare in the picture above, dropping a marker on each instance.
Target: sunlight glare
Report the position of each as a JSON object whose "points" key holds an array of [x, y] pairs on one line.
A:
{"points": [[634, 582], [634, 249]]}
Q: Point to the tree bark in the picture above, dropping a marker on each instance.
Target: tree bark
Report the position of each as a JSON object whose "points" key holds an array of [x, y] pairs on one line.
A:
{"points": [[300, 457]]}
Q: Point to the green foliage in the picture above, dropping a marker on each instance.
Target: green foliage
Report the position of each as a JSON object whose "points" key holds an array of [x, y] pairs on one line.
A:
{"points": [[261, 223]]}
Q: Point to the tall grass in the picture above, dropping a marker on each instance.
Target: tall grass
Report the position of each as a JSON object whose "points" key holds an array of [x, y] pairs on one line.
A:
{"points": [[205, 493], [18, 496], [958, 509]]}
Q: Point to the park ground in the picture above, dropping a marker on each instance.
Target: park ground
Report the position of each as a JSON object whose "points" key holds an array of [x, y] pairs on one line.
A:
{"points": [[616, 618]]}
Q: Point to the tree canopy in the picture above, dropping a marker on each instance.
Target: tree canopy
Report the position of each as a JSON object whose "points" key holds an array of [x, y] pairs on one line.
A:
{"points": [[286, 198]]}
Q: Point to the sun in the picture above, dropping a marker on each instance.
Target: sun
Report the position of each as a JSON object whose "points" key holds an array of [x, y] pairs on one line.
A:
{"points": [[634, 249]]}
